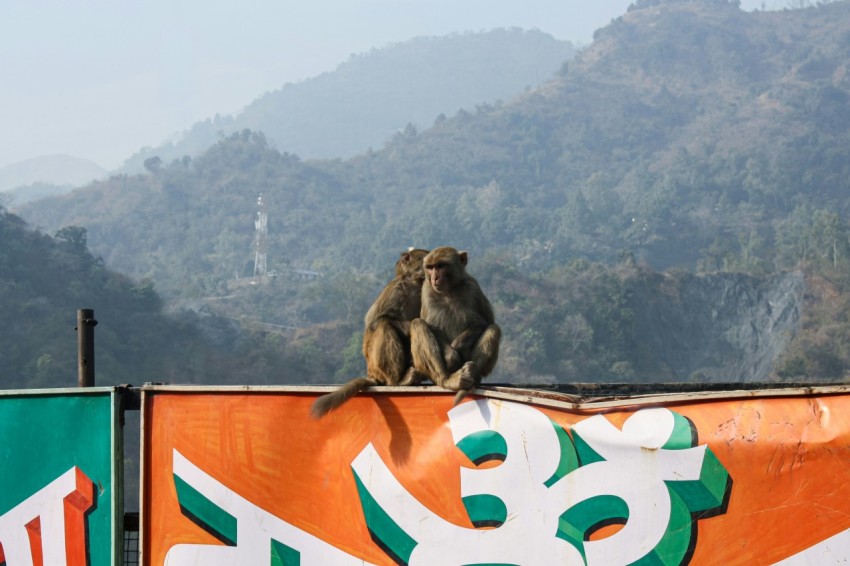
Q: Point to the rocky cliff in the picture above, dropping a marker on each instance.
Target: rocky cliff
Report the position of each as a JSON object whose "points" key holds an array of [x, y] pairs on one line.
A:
{"points": [[721, 327]]}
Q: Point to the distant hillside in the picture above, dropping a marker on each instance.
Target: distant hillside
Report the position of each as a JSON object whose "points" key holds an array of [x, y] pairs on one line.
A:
{"points": [[686, 132], [689, 136], [59, 170], [373, 95], [27, 193], [44, 281]]}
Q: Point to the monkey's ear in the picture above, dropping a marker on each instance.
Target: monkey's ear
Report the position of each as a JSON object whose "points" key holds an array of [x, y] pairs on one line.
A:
{"points": [[462, 257], [405, 257]]}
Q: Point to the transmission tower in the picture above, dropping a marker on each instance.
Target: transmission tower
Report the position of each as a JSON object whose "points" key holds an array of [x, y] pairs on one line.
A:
{"points": [[261, 225]]}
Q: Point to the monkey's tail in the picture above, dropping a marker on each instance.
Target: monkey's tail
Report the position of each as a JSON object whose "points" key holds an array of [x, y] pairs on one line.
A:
{"points": [[333, 400], [460, 395]]}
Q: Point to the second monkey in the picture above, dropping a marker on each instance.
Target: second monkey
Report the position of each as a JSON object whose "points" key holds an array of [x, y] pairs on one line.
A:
{"points": [[386, 334]]}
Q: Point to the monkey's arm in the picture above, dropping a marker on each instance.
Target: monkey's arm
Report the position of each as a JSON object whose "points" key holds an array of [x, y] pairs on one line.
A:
{"points": [[403, 326], [460, 349]]}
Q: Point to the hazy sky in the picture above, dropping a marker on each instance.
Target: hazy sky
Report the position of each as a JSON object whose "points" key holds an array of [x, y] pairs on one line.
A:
{"points": [[99, 79]]}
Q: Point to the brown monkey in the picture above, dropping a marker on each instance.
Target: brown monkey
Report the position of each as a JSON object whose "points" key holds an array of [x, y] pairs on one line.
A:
{"points": [[455, 340], [386, 334]]}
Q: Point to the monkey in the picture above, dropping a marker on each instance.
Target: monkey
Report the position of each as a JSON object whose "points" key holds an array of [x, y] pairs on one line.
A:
{"points": [[455, 340], [386, 335]]}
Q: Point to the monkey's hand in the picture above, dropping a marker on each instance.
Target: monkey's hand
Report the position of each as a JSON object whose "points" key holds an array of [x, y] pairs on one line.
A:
{"points": [[464, 378], [467, 381], [467, 376]]}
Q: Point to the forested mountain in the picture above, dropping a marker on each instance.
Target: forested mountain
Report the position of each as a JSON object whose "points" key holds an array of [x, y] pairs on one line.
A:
{"points": [[373, 95], [690, 135], [44, 281]]}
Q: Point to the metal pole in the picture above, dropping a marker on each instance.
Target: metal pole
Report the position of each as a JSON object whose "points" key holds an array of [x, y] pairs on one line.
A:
{"points": [[85, 347]]}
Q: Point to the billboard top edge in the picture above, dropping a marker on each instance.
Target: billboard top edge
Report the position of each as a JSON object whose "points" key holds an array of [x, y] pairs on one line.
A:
{"points": [[59, 391], [591, 399]]}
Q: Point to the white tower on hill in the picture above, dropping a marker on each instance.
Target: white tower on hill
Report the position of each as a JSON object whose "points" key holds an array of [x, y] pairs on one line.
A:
{"points": [[261, 225]]}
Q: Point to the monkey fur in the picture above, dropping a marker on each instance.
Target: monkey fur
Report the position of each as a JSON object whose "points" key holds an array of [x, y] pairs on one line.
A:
{"points": [[386, 335], [455, 340]]}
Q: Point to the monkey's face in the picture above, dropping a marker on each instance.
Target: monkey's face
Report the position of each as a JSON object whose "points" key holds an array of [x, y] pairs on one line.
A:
{"points": [[410, 265], [439, 276], [444, 267]]}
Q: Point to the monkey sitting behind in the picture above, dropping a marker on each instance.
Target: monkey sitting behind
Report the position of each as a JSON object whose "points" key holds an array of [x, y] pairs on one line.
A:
{"points": [[386, 335], [455, 340]]}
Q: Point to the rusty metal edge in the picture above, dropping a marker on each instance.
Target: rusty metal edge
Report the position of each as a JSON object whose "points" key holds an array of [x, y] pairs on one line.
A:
{"points": [[591, 400]]}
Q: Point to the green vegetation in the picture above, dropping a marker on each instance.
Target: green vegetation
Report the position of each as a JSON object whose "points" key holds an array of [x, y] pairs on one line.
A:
{"points": [[694, 154], [44, 281]]}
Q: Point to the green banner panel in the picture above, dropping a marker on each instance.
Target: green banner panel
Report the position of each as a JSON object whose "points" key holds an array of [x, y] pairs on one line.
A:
{"points": [[61, 491]]}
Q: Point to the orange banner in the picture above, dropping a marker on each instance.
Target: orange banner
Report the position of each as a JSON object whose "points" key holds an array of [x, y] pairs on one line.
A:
{"points": [[235, 477]]}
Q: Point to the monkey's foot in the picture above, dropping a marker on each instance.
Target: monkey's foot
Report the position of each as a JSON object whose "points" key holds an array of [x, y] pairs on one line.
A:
{"points": [[463, 379], [412, 377], [467, 379]]}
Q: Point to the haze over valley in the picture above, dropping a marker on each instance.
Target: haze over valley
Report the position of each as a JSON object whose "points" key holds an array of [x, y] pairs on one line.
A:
{"points": [[101, 82], [664, 203]]}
